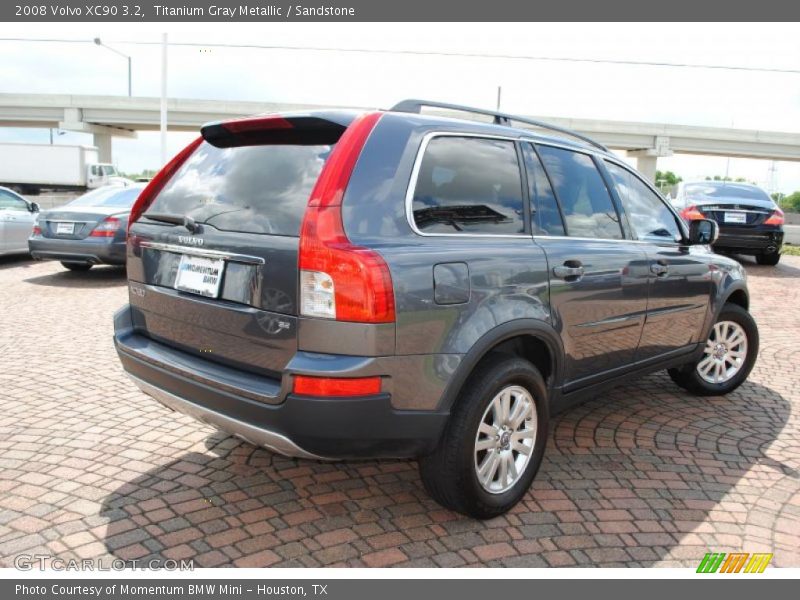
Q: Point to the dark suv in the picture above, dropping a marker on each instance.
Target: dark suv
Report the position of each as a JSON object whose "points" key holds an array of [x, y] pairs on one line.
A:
{"points": [[344, 285]]}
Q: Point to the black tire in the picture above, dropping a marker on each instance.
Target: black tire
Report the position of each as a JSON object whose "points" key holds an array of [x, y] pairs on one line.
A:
{"points": [[689, 379], [76, 266], [770, 259], [449, 473]]}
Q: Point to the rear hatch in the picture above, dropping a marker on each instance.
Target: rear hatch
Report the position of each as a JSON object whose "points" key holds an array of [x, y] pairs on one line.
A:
{"points": [[213, 259]]}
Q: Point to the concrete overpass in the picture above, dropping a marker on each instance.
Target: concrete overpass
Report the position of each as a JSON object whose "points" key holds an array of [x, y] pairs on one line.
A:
{"points": [[107, 116]]}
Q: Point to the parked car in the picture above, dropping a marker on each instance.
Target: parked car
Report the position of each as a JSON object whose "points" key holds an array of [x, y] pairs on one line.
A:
{"points": [[16, 222], [88, 231], [345, 285], [749, 221]]}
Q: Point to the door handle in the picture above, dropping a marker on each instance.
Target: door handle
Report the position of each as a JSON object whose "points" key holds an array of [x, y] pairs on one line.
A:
{"points": [[572, 270], [660, 268]]}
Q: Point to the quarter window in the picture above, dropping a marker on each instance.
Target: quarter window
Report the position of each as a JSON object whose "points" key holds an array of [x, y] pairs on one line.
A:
{"points": [[469, 185], [545, 216], [584, 198], [648, 215]]}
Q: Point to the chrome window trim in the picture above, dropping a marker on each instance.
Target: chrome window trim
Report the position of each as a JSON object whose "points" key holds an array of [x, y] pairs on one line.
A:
{"points": [[194, 251], [412, 186]]}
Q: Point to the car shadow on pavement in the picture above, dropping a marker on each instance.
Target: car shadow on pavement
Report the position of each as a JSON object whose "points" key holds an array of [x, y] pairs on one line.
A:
{"points": [[15, 261], [97, 277], [780, 271], [643, 474]]}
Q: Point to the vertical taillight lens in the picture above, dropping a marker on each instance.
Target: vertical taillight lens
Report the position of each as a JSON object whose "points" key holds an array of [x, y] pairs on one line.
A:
{"points": [[158, 182], [339, 280], [776, 218]]}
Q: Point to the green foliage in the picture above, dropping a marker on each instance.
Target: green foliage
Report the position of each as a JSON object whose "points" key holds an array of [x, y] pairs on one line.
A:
{"points": [[664, 178], [790, 202]]}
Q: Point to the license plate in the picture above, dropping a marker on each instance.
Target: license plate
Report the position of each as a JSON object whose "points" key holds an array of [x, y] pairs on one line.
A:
{"points": [[735, 217], [65, 228], [199, 275]]}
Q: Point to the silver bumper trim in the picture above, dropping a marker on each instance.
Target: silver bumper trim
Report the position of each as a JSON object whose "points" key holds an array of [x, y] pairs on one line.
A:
{"points": [[257, 436]]}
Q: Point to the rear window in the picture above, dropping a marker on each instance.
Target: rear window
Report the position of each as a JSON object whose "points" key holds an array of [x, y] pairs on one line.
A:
{"points": [[469, 185], [251, 189], [109, 196], [727, 190]]}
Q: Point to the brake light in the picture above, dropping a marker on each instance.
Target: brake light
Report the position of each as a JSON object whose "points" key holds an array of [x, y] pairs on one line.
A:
{"points": [[256, 124], [158, 182], [107, 228], [776, 218], [339, 280], [692, 213], [330, 386]]}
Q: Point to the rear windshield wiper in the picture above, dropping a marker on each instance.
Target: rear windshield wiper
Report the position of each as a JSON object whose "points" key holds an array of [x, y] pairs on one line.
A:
{"points": [[184, 220]]}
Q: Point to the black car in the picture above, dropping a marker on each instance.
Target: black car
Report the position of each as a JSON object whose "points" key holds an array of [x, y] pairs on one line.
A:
{"points": [[749, 221], [352, 285], [88, 231]]}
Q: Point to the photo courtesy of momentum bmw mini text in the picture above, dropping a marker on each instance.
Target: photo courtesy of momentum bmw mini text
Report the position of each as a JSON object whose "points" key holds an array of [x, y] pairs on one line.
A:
{"points": [[491, 293]]}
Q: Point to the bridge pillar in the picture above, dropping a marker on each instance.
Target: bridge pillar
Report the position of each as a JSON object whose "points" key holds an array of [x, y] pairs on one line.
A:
{"points": [[646, 165], [103, 143], [647, 158]]}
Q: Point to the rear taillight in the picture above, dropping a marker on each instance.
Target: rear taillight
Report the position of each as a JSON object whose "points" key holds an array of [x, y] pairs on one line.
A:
{"points": [[336, 386], [776, 218], [158, 182], [108, 227], [692, 213], [339, 280], [37, 230]]}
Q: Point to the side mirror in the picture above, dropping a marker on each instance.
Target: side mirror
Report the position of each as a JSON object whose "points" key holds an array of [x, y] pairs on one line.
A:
{"points": [[34, 207], [703, 231]]}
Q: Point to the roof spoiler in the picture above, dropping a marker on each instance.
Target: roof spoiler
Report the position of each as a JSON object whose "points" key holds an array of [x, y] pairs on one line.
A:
{"points": [[274, 129]]}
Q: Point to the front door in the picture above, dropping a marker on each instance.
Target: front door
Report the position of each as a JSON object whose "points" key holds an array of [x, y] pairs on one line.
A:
{"points": [[680, 281], [598, 280]]}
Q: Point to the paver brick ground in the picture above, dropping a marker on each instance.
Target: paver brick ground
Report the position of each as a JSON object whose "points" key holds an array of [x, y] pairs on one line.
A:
{"points": [[644, 475]]}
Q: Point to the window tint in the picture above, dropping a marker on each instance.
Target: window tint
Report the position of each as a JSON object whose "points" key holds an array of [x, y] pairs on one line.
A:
{"points": [[9, 201], [470, 185], [583, 195], [545, 216], [252, 189], [647, 213]]}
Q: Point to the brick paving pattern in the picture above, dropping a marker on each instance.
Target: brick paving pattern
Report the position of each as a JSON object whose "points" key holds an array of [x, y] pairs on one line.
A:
{"points": [[644, 475]]}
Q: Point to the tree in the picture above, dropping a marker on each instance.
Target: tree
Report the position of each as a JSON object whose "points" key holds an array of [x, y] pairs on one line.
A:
{"points": [[667, 178], [791, 202]]}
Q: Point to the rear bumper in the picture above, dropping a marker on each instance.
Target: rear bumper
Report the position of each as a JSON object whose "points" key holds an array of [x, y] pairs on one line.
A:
{"points": [[95, 251], [755, 240], [300, 426]]}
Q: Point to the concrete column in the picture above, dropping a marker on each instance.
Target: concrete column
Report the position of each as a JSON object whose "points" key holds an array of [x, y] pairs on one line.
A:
{"points": [[103, 143], [646, 165]]}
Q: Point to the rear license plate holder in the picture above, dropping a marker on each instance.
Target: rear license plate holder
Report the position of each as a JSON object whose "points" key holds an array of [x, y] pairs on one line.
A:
{"points": [[65, 228], [200, 275], [739, 218]]}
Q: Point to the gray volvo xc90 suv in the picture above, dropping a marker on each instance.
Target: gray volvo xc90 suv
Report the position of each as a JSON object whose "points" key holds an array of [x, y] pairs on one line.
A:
{"points": [[336, 285]]}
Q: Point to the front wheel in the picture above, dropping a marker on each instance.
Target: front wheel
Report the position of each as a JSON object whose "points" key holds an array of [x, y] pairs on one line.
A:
{"points": [[728, 356], [494, 443]]}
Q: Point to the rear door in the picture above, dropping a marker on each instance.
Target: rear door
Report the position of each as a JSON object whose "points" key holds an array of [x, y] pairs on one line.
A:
{"points": [[598, 279], [679, 277], [225, 285]]}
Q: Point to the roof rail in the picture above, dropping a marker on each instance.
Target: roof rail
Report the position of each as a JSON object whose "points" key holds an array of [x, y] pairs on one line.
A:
{"points": [[500, 118]]}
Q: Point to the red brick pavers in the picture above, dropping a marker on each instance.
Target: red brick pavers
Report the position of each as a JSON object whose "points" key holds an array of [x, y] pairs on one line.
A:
{"points": [[643, 475]]}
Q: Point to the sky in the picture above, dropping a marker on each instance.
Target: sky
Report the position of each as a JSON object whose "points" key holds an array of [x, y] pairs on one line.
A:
{"points": [[394, 68]]}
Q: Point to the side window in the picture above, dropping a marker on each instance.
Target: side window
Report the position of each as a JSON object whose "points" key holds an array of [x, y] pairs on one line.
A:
{"points": [[584, 198], [95, 170], [469, 185], [11, 202], [545, 216], [648, 215]]}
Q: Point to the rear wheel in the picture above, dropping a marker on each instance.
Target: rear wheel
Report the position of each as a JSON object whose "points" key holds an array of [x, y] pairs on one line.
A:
{"points": [[494, 443], [728, 356], [771, 258], [76, 266]]}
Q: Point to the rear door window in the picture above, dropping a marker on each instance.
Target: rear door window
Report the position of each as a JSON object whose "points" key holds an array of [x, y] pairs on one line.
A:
{"points": [[469, 185], [250, 189], [588, 209], [545, 216]]}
